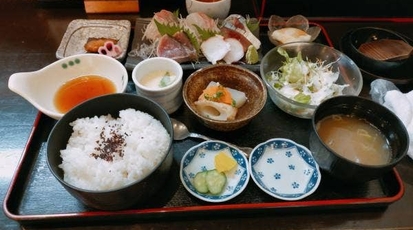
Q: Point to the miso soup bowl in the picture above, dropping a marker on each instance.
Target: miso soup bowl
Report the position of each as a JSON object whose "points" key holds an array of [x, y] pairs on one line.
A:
{"points": [[377, 115]]}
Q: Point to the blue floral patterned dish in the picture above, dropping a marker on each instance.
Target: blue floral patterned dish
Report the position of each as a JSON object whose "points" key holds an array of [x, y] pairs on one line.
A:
{"points": [[284, 169], [201, 158]]}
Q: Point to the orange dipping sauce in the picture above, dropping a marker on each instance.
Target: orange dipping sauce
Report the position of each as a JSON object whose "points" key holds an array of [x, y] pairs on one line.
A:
{"points": [[81, 89]]}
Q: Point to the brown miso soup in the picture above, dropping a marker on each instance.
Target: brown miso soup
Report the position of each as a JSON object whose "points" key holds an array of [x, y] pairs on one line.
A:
{"points": [[355, 139], [80, 89]]}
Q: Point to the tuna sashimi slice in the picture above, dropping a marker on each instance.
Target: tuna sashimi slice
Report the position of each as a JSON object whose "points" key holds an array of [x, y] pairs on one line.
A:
{"points": [[171, 48]]}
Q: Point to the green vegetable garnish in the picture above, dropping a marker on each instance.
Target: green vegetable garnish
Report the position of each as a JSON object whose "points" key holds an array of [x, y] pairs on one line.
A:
{"points": [[210, 181], [204, 34], [172, 28], [169, 29], [234, 103], [305, 81], [166, 80], [252, 23], [302, 98]]}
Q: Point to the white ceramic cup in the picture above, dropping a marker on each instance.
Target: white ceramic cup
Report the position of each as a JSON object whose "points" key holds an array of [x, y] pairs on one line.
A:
{"points": [[214, 9], [170, 96]]}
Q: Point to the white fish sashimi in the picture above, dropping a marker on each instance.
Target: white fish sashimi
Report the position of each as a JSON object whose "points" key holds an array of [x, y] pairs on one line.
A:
{"points": [[215, 48], [202, 21], [239, 23], [236, 51]]}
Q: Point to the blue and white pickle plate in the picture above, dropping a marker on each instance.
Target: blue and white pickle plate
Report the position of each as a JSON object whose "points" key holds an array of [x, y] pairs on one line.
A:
{"points": [[201, 158], [284, 169]]}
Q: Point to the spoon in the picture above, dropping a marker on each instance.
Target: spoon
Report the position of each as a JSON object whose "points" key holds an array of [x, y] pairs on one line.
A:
{"points": [[181, 132]]}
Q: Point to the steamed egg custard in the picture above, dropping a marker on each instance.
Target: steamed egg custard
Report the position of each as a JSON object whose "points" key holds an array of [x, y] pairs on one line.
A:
{"points": [[80, 89], [220, 103], [355, 139], [158, 79]]}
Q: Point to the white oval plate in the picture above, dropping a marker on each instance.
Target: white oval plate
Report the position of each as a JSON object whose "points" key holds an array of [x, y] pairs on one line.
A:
{"points": [[284, 169], [201, 158]]}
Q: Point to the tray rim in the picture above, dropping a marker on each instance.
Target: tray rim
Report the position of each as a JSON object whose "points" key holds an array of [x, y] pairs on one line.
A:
{"points": [[142, 214]]}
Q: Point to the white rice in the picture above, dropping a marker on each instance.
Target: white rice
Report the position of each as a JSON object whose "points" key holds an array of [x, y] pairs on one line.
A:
{"points": [[140, 140]]}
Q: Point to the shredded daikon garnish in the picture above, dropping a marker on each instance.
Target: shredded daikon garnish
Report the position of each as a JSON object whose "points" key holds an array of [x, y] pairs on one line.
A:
{"points": [[305, 81]]}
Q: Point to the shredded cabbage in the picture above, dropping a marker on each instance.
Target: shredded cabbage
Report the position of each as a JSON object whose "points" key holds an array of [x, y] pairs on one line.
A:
{"points": [[305, 81]]}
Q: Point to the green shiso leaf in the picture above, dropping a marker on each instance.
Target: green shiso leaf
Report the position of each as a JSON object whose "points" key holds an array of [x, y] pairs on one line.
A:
{"points": [[176, 13], [193, 40], [205, 34], [169, 29]]}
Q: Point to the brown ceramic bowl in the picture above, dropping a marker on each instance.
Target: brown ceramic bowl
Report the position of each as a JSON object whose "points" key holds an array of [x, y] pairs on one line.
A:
{"points": [[231, 76]]}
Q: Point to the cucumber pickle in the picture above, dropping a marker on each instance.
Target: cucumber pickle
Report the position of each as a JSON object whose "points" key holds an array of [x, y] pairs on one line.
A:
{"points": [[210, 181]]}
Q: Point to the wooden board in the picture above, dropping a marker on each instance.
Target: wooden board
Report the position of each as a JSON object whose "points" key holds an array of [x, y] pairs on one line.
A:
{"points": [[111, 6]]}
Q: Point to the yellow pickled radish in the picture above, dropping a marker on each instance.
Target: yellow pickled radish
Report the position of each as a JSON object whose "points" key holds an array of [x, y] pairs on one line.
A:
{"points": [[224, 162]]}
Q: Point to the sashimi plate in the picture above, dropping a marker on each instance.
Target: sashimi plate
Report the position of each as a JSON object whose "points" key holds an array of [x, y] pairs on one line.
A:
{"points": [[133, 59]]}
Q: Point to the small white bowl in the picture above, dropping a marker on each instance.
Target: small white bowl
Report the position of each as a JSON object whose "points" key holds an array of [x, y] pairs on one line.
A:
{"points": [[201, 158], [284, 169], [214, 9], [170, 96], [39, 87]]}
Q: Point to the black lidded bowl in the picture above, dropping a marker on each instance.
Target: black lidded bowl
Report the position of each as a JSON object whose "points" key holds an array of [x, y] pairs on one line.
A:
{"points": [[362, 35], [133, 194], [379, 116]]}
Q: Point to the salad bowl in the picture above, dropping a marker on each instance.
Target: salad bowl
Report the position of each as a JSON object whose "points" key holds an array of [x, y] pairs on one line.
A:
{"points": [[300, 75]]}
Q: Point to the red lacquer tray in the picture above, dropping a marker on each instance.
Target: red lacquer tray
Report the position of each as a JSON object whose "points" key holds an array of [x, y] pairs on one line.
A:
{"points": [[35, 197]]}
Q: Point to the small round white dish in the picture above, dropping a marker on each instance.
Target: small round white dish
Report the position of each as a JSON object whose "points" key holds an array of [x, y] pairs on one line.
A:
{"points": [[284, 169], [201, 158], [148, 75]]}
